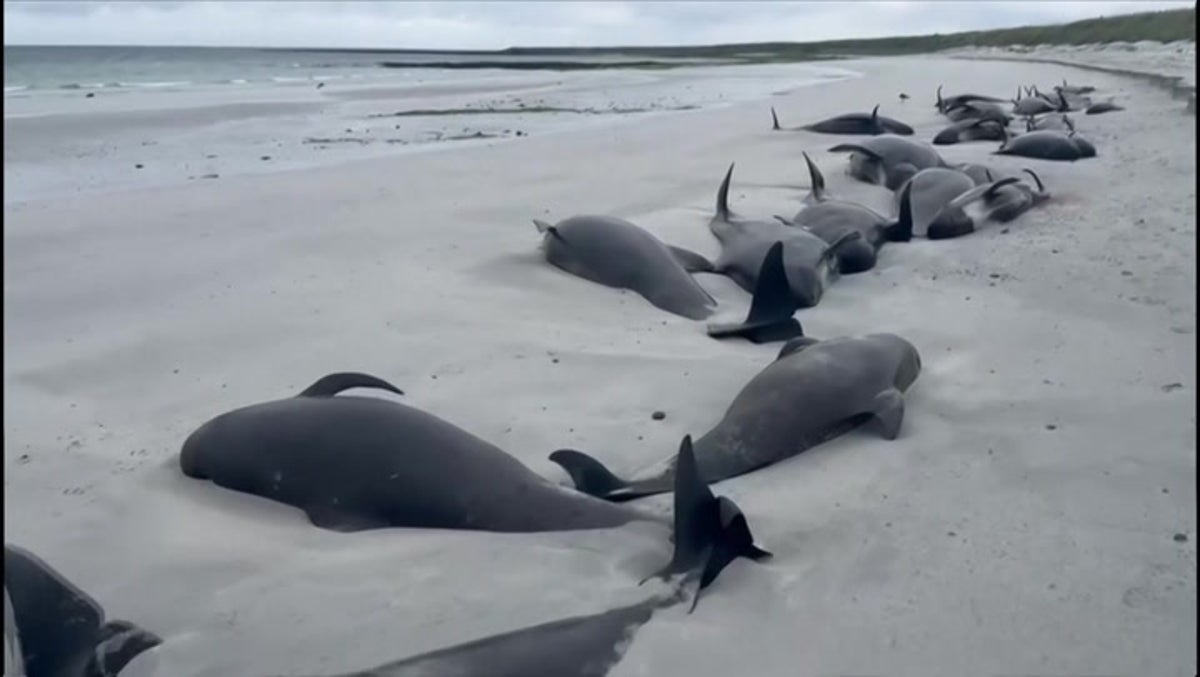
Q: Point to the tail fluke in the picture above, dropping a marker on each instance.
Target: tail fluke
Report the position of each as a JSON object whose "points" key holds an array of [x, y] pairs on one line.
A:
{"points": [[332, 384], [771, 309], [119, 642], [589, 475], [735, 541]]}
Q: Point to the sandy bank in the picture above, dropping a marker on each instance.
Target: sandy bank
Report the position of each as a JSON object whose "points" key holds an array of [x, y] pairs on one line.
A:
{"points": [[1025, 521]]}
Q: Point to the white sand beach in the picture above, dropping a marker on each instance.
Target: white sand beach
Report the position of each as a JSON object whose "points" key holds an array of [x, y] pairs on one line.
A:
{"points": [[1035, 516]]}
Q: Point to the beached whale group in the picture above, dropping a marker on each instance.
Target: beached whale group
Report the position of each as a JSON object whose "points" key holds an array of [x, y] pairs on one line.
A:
{"points": [[358, 462]]}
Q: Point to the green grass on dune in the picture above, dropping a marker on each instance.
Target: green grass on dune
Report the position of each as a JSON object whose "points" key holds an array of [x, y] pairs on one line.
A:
{"points": [[1163, 26]]}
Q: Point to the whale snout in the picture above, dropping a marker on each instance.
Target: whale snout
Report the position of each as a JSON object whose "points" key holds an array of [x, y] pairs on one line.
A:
{"points": [[190, 453]]}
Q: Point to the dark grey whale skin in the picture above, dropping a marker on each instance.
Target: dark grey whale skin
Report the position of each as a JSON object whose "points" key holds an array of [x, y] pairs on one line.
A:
{"points": [[810, 263], [354, 463], [60, 629], [813, 392], [852, 123], [831, 219], [708, 532], [889, 159], [583, 646], [616, 253], [1048, 144]]}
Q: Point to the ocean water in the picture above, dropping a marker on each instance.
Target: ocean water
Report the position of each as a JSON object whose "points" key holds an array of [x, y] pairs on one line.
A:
{"points": [[93, 68], [84, 119]]}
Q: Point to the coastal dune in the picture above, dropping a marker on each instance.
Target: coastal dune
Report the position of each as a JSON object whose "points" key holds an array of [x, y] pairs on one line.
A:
{"points": [[1035, 516]]}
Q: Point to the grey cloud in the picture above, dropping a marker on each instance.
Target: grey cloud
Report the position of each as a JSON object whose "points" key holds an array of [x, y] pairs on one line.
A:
{"points": [[492, 25]]}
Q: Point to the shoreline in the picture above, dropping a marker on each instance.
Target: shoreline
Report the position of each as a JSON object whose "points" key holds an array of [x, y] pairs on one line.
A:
{"points": [[1023, 522], [165, 138]]}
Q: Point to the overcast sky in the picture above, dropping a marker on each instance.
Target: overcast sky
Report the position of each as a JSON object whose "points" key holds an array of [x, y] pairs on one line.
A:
{"points": [[495, 25]]}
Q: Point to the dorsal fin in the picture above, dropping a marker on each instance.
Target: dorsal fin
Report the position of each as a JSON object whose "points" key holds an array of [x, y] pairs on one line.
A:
{"points": [[332, 384], [875, 116], [979, 192], [815, 178], [542, 226], [553, 232], [842, 241], [774, 120], [796, 345], [902, 229], [723, 195], [856, 148], [941, 106], [589, 475], [1041, 188]]}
